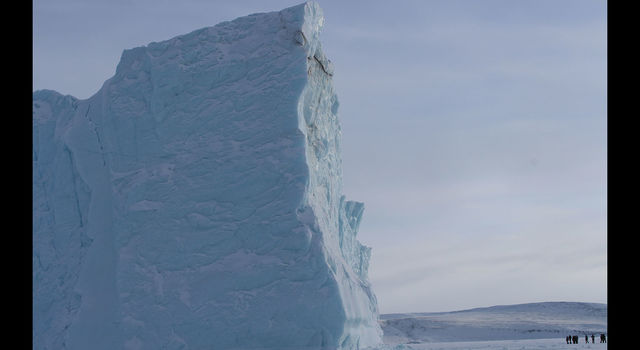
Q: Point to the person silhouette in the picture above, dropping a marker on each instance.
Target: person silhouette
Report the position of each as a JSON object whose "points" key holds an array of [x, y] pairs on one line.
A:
{"points": [[593, 339], [603, 338], [586, 339], [566, 339]]}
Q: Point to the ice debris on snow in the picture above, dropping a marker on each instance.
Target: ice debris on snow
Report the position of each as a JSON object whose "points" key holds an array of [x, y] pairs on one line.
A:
{"points": [[195, 201]]}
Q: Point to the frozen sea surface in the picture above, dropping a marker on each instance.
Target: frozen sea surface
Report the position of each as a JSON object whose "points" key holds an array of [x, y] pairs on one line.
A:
{"points": [[548, 320], [520, 344]]}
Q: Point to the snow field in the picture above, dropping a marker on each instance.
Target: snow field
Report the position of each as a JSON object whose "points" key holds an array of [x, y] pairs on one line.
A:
{"points": [[519, 344]]}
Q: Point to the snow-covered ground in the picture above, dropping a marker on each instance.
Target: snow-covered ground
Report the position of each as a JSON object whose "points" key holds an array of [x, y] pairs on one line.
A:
{"points": [[522, 326], [518, 344]]}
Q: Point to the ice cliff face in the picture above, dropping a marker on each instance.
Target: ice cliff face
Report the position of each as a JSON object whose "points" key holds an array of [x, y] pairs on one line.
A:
{"points": [[195, 201]]}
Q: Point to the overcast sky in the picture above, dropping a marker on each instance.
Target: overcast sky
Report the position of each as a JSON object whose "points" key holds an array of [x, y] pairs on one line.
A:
{"points": [[475, 132]]}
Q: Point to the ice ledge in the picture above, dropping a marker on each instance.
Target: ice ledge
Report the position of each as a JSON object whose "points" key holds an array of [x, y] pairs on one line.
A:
{"points": [[301, 24], [310, 26]]}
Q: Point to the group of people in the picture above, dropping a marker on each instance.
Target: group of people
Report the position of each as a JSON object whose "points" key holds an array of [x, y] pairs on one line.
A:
{"points": [[573, 339]]}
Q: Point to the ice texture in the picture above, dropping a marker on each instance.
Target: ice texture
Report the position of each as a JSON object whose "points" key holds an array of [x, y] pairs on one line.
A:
{"points": [[195, 201]]}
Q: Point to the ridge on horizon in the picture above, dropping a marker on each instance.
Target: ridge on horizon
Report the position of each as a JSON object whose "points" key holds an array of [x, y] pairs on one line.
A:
{"points": [[493, 307]]}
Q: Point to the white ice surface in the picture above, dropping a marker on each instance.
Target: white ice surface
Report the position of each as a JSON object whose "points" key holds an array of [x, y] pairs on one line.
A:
{"points": [[515, 344], [523, 321]]}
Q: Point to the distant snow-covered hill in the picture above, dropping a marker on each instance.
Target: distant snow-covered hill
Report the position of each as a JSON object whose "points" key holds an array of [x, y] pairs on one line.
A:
{"points": [[503, 322]]}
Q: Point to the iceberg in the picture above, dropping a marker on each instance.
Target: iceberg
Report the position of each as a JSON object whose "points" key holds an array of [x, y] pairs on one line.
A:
{"points": [[195, 201]]}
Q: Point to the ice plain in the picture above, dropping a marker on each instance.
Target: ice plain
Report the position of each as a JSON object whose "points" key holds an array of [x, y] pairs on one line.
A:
{"points": [[515, 344], [522, 326]]}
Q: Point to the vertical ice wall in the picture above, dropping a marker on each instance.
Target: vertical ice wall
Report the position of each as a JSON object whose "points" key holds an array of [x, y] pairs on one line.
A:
{"points": [[195, 201]]}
